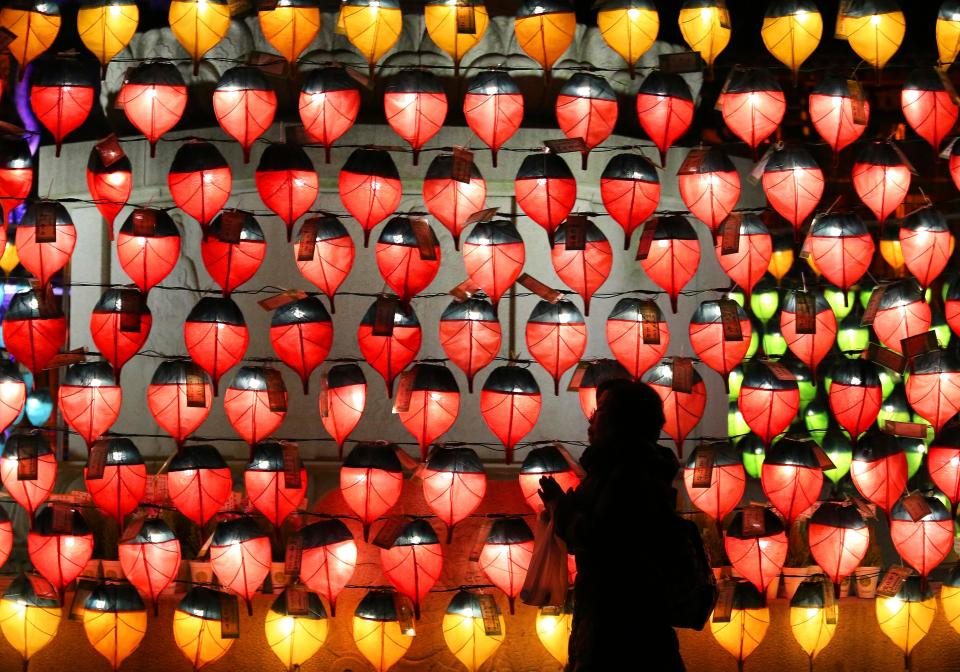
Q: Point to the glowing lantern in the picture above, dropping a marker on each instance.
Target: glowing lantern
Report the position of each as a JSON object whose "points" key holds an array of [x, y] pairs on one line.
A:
{"points": [[407, 260], [510, 405], [59, 551], [927, 244], [13, 394], [506, 555], [369, 186], [874, 29], [61, 95], [927, 106], [493, 254], [727, 483], [414, 562], [240, 557], [924, 543], [553, 631], [296, 637], [200, 180], [216, 336], [544, 30], [30, 493], [943, 463], [879, 469], [556, 336], [705, 26], [583, 270], [901, 313], [809, 348], [34, 329], [748, 263], [106, 28], [329, 104], [197, 626], [839, 538], [153, 97], [890, 248], [456, 27], [753, 105], [749, 620], [433, 405], [119, 325], [371, 26], [586, 108], [34, 24], [756, 557], [683, 409], [290, 27], [629, 27], [855, 395], [907, 616], [894, 408], [545, 461], [948, 32], [832, 109], [768, 403], [149, 557], [933, 385], [880, 178], [630, 189], [951, 307], [450, 200], [841, 247], [148, 247], [791, 31], [89, 399], [255, 403], [781, 261], [470, 335], [179, 397], [109, 186], [301, 333], [709, 186], [665, 109], [715, 348], [415, 105], [752, 452], [233, 249], [493, 107], [286, 182], [810, 623], [370, 481], [16, 177], [377, 631], [852, 337], [342, 402], [597, 373], [791, 477], [115, 621], [45, 239], [793, 184], [545, 190], [673, 256], [30, 614], [328, 560], [389, 353], [454, 483], [199, 25]]}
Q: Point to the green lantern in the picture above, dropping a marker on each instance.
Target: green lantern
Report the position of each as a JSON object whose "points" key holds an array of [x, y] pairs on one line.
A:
{"points": [[774, 344], [852, 337], [752, 454], [864, 289], [920, 420], [737, 295], [941, 328], [816, 418], [734, 381], [842, 302], [916, 450], [805, 382], [894, 407], [836, 444], [888, 380], [949, 277], [754, 338], [736, 425], [765, 299]]}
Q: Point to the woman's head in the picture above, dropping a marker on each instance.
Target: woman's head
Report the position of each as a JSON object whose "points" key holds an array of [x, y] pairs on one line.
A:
{"points": [[626, 410]]}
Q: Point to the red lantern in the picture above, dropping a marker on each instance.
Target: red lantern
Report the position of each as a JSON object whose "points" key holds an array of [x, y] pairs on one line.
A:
{"points": [[45, 239], [342, 401], [709, 185], [683, 409], [233, 249], [637, 335], [413, 563], [587, 108], [665, 109], [415, 105], [673, 255], [454, 484], [30, 493], [597, 373], [839, 538], [791, 477], [153, 97], [119, 325], [328, 559], [505, 557], [549, 462], [954, 165], [216, 336], [407, 259], [880, 178], [389, 347], [584, 261], [286, 182], [16, 177], [925, 543], [545, 190], [13, 394], [199, 482], [809, 345], [836, 113], [752, 104], [556, 337], [768, 402], [933, 386], [149, 557], [510, 405], [59, 545], [717, 344], [200, 180], [329, 104], [256, 403], [902, 313], [240, 557], [879, 469], [275, 488], [943, 463], [927, 106], [148, 247], [34, 329], [453, 200], [179, 398], [841, 247], [6, 536], [109, 186], [121, 483], [370, 481], [756, 557], [62, 91], [301, 333], [89, 399], [630, 189], [434, 403], [493, 255], [926, 243], [493, 107], [470, 335], [370, 189], [244, 105], [793, 184], [855, 395], [728, 480], [746, 264]]}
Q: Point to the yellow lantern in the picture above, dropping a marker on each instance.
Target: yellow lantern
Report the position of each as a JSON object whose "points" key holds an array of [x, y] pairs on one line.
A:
{"points": [[544, 30], [290, 26], [812, 623], [906, 617], [9, 260], [948, 32], [791, 31], [107, 26], [199, 25], [629, 27], [781, 259], [377, 630], [749, 620], [950, 598], [705, 26], [891, 250], [295, 632], [466, 633], [197, 626], [115, 621], [29, 614], [456, 26], [874, 29], [35, 23], [372, 26], [554, 626]]}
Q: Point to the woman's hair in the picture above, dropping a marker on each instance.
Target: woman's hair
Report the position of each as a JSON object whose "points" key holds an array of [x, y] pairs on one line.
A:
{"points": [[632, 408]]}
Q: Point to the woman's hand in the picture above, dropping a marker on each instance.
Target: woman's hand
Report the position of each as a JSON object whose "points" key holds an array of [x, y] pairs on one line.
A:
{"points": [[550, 491]]}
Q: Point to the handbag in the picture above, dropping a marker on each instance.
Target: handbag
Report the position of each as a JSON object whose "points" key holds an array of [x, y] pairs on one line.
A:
{"points": [[547, 580], [690, 584]]}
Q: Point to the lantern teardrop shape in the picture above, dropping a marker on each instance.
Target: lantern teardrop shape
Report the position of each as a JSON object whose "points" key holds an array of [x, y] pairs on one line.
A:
{"points": [[630, 189], [470, 335], [59, 551], [683, 409], [673, 255], [948, 33], [34, 328], [370, 481], [30, 614], [510, 405], [506, 554], [839, 538], [943, 463], [665, 109], [371, 26], [216, 336], [197, 626], [199, 25], [415, 105], [233, 249], [89, 399], [753, 105], [179, 398], [148, 247], [389, 353], [834, 112], [199, 482], [927, 244], [556, 336], [454, 483], [768, 403], [119, 324], [433, 406], [544, 462], [719, 350], [494, 254], [240, 557], [629, 28], [268, 484], [342, 401], [791, 477], [255, 403], [809, 346], [377, 631], [587, 108], [757, 558], [109, 186], [456, 28], [879, 469], [949, 592], [637, 335], [874, 29], [907, 616], [705, 26], [35, 25], [13, 394], [106, 28], [62, 92], [842, 248], [791, 31], [290, 27], [880, 178], [466, 633], [925, 543], [44, 250], [793, 184], [933, 386], [749, 620], [451, 200], [301, 333], [855, 395], [16, 177], [582, 270], [413, 563], [746, 264], [200, 180], [709, 186], [295, 637], [927, 106], [728, 481], [902, 313], [115, 621], [286, 182], [153, 97], [596, 374], [544, 29], [407, 263], [370, 189], [812, 622], [554, 630], [149, 554], [493, 108], [329, 104], [328, 559], [545, 190], [30, 493]]}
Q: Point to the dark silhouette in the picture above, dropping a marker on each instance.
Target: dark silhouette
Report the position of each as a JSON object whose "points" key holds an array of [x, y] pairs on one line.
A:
{"points": [[621, 525]]}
